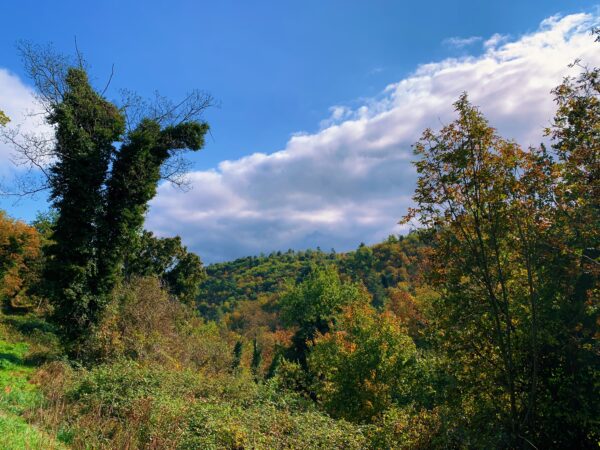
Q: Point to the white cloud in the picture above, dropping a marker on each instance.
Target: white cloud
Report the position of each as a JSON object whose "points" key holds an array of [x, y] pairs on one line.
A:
{"points": [[15, 97], [494, 40], [17, 100], [353, 180], [338, 114], [461, 42]]}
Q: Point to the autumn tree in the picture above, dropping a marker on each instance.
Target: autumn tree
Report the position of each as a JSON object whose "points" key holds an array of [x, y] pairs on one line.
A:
{"points": [[313, 304], [364, 365], [569, 368], [488, 202], [20, 256]]}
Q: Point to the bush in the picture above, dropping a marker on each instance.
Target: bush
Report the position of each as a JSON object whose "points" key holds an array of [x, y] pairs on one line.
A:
{"points": [[366, 364], [126, 404], [142, 323], [20, 261], [145, 323], [408, 428], [264, 426]]}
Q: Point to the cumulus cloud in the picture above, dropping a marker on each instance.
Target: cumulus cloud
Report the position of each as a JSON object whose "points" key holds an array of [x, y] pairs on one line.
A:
{"points": [[16, 98], [353, 180]]}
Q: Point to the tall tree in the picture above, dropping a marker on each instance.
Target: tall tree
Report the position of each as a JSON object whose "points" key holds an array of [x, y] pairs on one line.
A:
{"points": [[570, 369], [487, 201], [87, 126], [134, 177], [100, 190], [516, 263]]}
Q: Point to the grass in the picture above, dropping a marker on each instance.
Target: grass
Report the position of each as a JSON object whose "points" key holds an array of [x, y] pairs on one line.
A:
{"points": [[17, 394]]}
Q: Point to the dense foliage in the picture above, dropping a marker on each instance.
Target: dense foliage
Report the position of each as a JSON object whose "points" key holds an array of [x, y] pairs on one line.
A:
{"points": [[100, 190], [477, 330], [20, 260], [166, 258], [510, 275], [379, 268]]}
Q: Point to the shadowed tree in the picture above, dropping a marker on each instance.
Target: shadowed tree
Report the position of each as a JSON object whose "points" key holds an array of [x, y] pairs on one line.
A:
{"points": [[313, 305], [487, 201], [181, 271], [514, 263]]}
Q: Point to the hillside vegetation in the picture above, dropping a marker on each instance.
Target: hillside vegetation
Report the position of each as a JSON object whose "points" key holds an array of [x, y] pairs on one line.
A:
{"points": [[479, 329]]}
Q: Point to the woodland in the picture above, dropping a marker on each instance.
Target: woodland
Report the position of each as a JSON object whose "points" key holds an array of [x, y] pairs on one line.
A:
{"points": [[476, 330]]}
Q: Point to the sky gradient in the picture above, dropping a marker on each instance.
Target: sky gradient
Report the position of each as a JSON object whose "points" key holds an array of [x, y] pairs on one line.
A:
{"points": [[319, 101]]}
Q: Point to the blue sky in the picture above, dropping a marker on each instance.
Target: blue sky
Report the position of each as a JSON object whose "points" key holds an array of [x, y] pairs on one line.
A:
{"points": [[279, 69]]}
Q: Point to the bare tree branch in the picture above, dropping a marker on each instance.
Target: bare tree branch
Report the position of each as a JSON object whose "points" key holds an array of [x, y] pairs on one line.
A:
{"points": [[175, 171], [36, 152], [80, 59], [163, 110], [112, 72], [167, 113], [47, 69]]}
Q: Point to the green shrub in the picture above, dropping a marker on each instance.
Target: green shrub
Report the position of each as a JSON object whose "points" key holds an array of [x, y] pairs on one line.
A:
{"points": [[145, 323], [126, 404], [264, 426]]}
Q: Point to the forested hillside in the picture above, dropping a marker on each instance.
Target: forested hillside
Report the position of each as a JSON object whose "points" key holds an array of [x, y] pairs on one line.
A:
{"points": [[478, 329], [378, 267]]}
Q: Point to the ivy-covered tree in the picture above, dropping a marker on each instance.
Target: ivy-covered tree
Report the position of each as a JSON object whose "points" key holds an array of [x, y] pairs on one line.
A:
{"points": [[87, 126], [166, 258], [134, 177], [105, 164]]}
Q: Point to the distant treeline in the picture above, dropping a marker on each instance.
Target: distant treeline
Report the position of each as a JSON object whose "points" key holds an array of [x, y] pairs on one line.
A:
{"points": [[378, 267]]}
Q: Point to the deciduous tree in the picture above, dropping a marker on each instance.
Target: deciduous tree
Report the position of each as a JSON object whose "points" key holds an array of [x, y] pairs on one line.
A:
{"points": [[487, 201], [313, 305], [364, 365]]}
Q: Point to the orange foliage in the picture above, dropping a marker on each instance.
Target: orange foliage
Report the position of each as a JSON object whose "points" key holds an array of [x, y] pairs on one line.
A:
{"points": [[20, 251], [404, 306]]}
